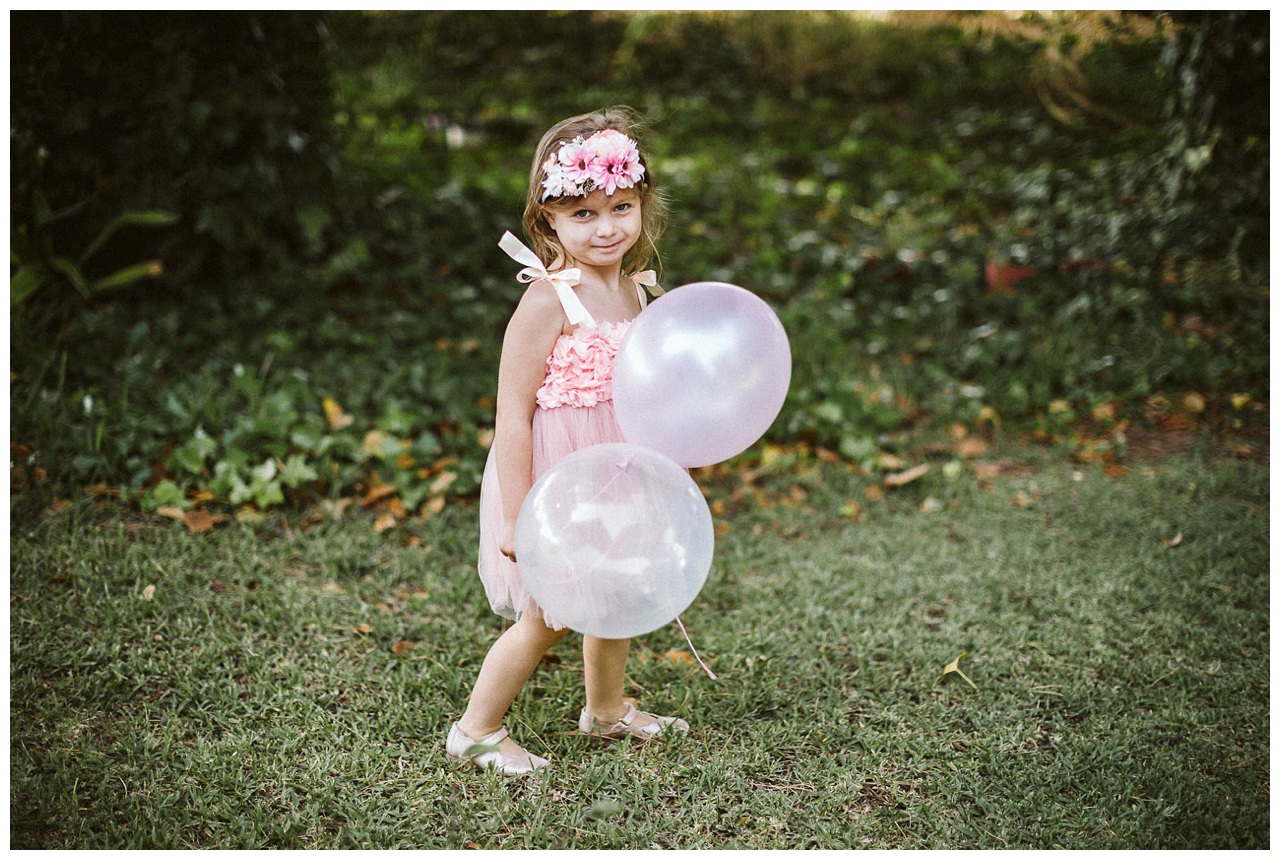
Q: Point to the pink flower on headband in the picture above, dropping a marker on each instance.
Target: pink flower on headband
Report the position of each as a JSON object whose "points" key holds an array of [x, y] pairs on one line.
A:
{"points": [[608, 160]]}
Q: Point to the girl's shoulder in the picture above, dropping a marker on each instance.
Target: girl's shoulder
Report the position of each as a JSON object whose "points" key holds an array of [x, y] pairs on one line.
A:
{"points": [[540, 306], [540, 296]]}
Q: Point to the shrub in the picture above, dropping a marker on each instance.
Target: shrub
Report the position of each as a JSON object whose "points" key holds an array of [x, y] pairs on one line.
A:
{"points": [[223, 118]]}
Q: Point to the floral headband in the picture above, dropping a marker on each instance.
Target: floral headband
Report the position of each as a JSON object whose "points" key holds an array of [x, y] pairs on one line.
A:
{"points": [[607, 159]]}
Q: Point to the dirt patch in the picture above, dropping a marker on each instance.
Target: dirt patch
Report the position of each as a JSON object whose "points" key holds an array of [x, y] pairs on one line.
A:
{"points": [[1147, 443]]}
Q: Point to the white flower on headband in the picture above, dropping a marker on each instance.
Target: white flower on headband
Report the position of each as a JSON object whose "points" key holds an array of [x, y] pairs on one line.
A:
{"points": [[608, 160]]}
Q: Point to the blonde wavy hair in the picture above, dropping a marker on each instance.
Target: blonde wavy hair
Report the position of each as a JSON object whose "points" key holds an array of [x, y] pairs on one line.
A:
{"points": [[538, 213]]}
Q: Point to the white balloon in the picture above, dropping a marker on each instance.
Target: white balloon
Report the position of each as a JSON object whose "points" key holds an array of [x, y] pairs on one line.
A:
{"points": [[702, 373], [614, 541]]}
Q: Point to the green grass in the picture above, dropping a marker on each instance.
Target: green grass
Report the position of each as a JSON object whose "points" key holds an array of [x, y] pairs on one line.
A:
{"points": [[257, 700]]}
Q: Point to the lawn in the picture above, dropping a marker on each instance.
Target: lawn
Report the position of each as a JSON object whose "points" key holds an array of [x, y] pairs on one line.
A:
{"points": [[289, 684]]}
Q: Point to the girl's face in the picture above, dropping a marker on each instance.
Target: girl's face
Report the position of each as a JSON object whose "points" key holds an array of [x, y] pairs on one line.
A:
{"points": [[601, 228]]}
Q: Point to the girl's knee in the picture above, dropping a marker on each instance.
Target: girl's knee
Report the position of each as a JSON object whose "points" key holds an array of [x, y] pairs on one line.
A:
{"points": [[536, 628]]}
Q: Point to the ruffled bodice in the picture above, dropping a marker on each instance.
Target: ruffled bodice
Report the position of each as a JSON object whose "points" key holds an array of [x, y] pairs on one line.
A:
{"points": [[580, 366]]}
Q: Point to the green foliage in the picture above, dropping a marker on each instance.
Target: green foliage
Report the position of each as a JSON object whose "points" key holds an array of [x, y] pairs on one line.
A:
{"points": [[38, 251], [866, 194], [1218, 151], [220, 117]]}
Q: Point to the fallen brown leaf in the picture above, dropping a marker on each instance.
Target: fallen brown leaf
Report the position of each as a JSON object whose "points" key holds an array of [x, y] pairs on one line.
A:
{"points": [[954, 666], [202, 521], [440, 484], [374, 442], [337, 508], [1104, 412], [899, 478], [677, 656], [377, 493], [986, 471], [402, 647], [334, 415], [971, 447], [171, 512], [889, 461], [987, 415]]}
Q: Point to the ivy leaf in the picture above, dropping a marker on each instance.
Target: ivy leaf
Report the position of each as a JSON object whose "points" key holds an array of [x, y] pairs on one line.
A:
{"points": [[238, 492], [192, 456], [266, 471], [165, 494], [267, 493], [296, 472]]}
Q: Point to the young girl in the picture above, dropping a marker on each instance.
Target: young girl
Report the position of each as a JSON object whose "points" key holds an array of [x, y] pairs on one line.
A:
{"points": [[592, 215]]}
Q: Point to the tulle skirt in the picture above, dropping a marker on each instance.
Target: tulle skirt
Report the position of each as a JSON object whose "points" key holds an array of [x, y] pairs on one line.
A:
{"points": [[557, 433]]}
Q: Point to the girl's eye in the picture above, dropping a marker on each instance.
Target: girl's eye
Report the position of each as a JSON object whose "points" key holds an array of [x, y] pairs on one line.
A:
{"points": [[582, 213], [622, 207]]}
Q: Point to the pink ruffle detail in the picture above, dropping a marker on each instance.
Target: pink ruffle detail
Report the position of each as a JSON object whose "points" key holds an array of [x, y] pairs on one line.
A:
{"points": [[580, 367]]}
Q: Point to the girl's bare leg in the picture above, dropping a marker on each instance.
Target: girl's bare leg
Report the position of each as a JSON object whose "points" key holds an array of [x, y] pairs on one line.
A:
{"points": [[506, 669], [605, 663]]}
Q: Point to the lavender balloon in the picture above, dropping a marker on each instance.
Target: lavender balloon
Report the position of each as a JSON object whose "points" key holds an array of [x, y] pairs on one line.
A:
{"points": [[614, 541], [701, 374]]}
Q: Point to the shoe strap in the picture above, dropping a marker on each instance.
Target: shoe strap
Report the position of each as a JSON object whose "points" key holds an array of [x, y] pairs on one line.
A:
{"points": [[496, 738]]}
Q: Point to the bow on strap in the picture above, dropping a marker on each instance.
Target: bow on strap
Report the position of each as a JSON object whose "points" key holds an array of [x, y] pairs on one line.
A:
{"points": [[564, 281], [649, 278]]}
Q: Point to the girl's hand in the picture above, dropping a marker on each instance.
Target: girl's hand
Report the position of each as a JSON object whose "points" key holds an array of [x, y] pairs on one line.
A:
{"points": [[507, 544]]}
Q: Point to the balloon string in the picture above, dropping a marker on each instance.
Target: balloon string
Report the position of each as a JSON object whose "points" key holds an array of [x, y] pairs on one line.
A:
{"points": [[623, 467], [705, 667]]}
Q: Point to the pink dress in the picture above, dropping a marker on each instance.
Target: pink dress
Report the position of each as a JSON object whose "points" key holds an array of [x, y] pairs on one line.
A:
{"points": [[574, 410]]}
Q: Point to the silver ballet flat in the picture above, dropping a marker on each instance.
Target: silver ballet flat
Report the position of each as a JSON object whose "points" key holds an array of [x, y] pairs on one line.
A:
{"points": [[625, 727], [485, 753]]}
